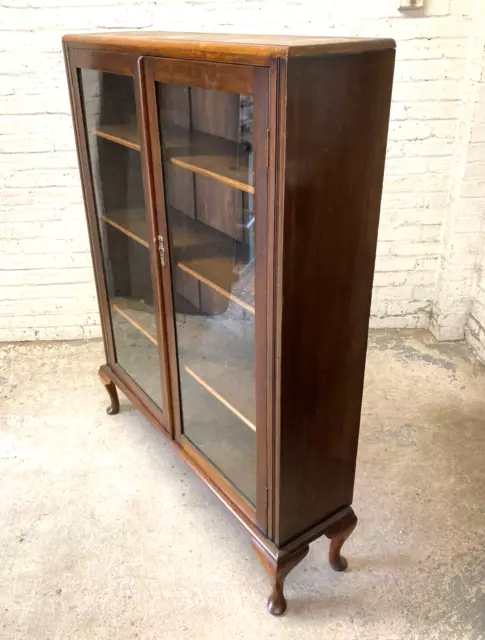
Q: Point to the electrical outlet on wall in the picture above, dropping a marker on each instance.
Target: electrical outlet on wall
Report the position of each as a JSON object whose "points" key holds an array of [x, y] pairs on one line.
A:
{"points": [[406, 5]]}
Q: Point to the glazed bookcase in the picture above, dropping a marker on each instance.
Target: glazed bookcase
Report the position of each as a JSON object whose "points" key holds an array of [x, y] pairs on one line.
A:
{"points": [[232, 187]]}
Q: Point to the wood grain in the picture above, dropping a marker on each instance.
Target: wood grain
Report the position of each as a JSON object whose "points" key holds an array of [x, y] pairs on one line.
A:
{"points": [[209, 256], [243, 49], [126, 135], [221, 399], [212, 156], [131, 223], [127, 313], [332, 186], [320, 131]]}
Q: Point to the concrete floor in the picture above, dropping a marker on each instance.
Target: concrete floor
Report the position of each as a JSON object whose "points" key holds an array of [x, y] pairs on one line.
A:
{"points": [[106, 534]]}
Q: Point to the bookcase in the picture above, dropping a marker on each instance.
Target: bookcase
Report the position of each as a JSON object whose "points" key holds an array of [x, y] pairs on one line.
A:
{"points": [[232, 187]]}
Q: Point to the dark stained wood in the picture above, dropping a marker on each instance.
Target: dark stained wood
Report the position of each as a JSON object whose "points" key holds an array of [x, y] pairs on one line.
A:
{"points": [[209, 256], [256, 50], [215, 113], [276, 149], [338, 533], [217, 484], [165, 279], [218, 77], [181, 195], [110, 387], [321, 110], [126, 135], [210, 156], [89, 202], [332, 194], [155, 266], [126, 66], [212, 75], [131, 223], [121, 63], [278, 569], [206, 254], [263, 302]]}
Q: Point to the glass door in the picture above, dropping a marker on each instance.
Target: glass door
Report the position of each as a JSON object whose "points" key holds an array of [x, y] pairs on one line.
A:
{"points": [[209, 151], [109, 103]]}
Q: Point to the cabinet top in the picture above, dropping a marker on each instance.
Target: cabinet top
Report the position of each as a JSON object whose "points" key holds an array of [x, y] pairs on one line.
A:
{"points": [[224, 47]]}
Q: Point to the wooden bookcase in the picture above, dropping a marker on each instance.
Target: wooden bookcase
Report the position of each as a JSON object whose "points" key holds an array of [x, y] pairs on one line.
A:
{"points": [[232, 187]]}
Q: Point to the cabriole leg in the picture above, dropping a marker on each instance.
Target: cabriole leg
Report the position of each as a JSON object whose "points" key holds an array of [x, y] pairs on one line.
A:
{"points": [[338, 534], [112, 392], [278, 569]]}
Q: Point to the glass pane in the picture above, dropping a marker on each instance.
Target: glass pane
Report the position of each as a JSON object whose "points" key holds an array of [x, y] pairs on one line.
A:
{"points": [[207, 143], [114, 152]]}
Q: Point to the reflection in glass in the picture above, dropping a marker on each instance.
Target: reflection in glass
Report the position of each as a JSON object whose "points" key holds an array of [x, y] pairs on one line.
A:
{"points": [[207, 143], [114, 152]]}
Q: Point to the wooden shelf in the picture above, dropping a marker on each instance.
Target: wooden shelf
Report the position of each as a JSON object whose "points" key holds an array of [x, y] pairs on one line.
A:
{"points": [[219, 355], [138, 314], [131, 222], [218, 396], [216, 356], [207, 254], [212, 258], [124, 134], [212, 156], [136, 346]]}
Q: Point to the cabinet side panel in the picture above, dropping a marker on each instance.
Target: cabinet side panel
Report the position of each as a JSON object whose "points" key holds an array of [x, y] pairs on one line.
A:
{"points": [[337, 114]]}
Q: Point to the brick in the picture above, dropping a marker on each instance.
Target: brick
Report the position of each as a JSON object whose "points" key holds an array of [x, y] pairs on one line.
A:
{"points": [[438, 108], [417, 249], [431, 49], [473, 188], [41, 179], [402, 184], [429, 147], [425, 90], [395, 264], [84, 290], [22, 277], [478, 134], [446, 69], [449, 110], [409, 130]]}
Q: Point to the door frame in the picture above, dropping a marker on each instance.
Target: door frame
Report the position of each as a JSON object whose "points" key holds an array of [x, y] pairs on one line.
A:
{"points": [[253, 81], [121, 64]]}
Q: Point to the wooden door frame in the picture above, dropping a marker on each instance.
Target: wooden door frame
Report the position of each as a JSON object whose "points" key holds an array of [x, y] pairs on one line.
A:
{"points": [[122, 64], [252, 81]]}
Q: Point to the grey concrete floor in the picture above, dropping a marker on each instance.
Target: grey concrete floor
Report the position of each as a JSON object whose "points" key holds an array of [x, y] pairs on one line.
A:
{"points": [[106, 534]]}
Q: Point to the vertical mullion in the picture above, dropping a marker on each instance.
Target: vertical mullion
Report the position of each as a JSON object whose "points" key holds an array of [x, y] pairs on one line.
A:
{"points": [[141, 92], [262, 300], [160, 220]]}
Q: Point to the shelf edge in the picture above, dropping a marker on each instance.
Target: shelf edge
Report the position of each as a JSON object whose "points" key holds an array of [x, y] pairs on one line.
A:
{"points": [[122, 141], [126, 231], [134, 323], [216, 287], [242, 186], [220, 398]]}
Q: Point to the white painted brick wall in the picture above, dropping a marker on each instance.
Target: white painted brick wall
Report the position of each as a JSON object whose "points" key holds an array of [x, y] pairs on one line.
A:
{"points": [[463, 223], [474, 207], [46, 282]]}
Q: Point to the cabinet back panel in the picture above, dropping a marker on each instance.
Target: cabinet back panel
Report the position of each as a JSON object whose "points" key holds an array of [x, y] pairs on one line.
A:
{"points": [[337, 116]]}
